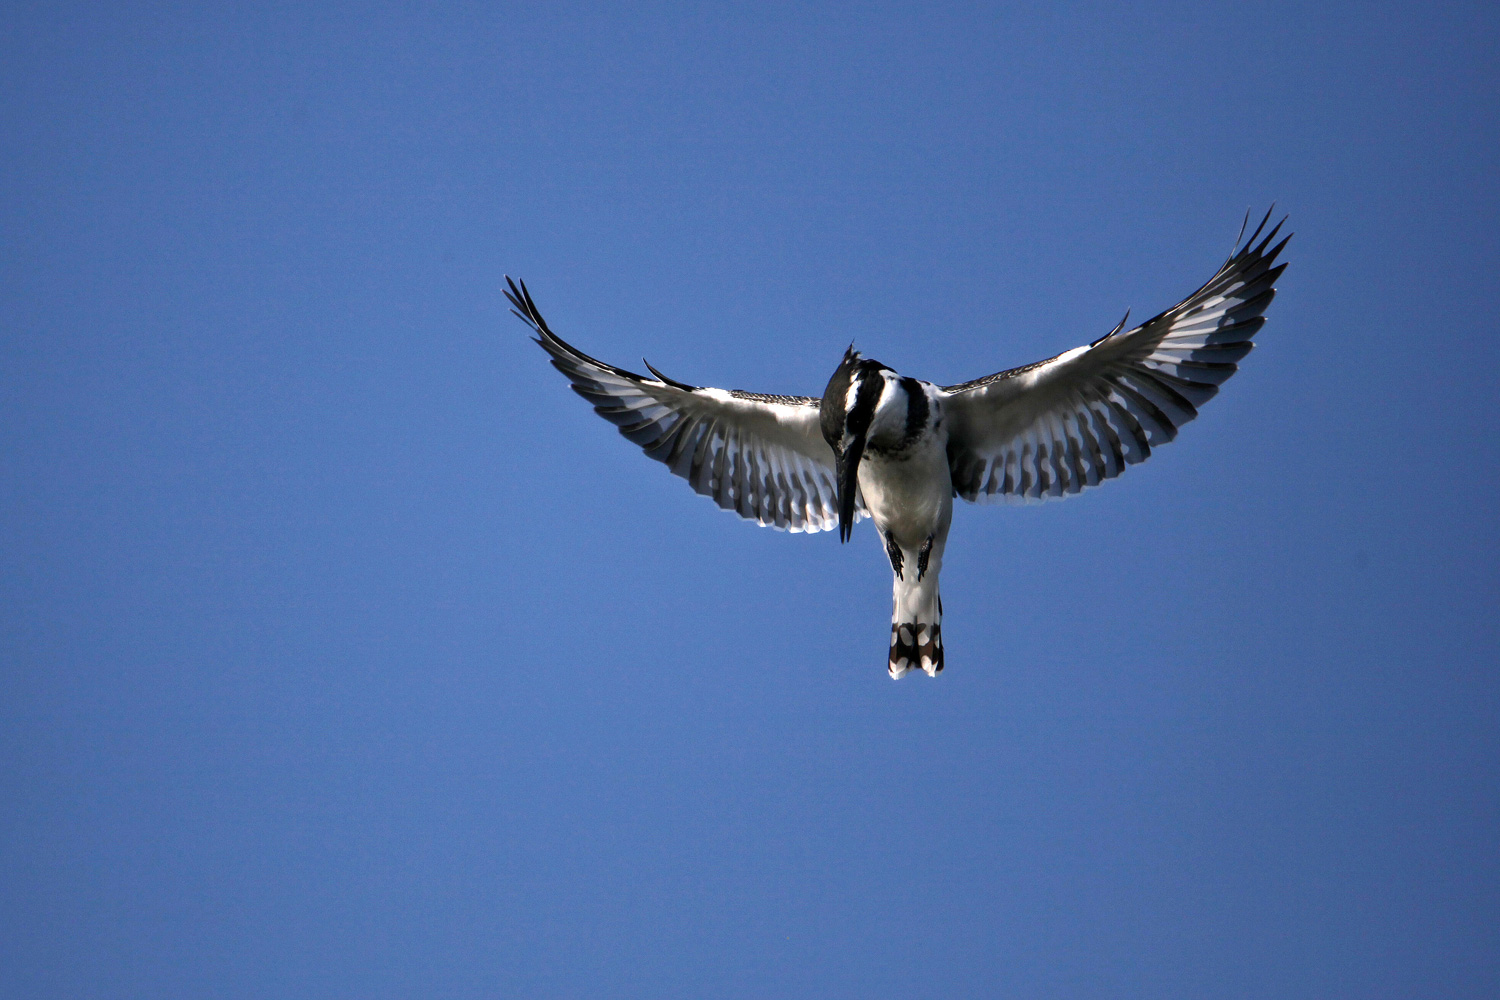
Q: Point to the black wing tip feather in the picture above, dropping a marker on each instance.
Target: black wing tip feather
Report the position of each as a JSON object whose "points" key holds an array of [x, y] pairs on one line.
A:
{"points": [[1264, 219], [523, 306], [525, 309], [1245, 255], [665, 380], [1248, 249], [1118, 327], [565, 354]]}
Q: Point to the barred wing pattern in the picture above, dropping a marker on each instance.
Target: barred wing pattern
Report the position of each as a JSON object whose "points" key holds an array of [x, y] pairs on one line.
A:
{"points": [[762, 457], [1057, 427]]}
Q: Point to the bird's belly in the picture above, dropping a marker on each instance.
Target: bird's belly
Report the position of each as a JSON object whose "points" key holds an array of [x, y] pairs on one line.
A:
{"points": [[911, 496]]}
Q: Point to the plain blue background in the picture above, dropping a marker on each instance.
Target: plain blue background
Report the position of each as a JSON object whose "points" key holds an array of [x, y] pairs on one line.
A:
{"points": [[347, 654]]}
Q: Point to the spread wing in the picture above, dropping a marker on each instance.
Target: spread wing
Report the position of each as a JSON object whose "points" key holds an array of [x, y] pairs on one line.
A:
{"points": [[762, 457], [1059, 426]]}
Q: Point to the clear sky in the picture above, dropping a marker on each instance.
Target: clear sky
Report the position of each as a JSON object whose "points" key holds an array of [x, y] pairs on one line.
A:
{"points": [[345, 653]]}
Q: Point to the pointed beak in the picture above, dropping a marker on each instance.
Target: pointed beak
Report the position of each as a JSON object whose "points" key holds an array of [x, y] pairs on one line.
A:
{"points": [[848, 471]]}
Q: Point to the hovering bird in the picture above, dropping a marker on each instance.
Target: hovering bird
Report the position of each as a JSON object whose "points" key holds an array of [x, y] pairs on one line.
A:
{"points": [[897, 449]]}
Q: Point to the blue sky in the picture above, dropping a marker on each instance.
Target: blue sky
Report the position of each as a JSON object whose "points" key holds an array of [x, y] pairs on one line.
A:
{"points": [[345, 653]]}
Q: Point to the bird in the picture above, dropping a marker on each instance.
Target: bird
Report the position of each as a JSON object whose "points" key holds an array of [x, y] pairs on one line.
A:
{"points": [[897, 450]]}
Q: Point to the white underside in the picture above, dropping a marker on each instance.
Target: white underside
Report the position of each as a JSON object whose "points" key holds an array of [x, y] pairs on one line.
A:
{"points": [[912, 499]]}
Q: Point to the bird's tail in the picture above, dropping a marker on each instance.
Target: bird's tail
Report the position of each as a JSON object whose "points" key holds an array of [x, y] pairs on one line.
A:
{"points": [[917, 627]]}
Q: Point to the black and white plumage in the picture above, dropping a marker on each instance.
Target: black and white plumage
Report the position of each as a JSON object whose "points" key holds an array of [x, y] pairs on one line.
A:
{"points": [[898, 449]]}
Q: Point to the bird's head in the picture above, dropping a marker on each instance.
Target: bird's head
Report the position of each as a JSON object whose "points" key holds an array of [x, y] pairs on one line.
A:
{"points": [[847, 409]]}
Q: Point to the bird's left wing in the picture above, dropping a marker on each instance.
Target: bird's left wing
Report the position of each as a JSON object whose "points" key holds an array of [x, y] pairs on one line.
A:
{"points": [[1059, 426], [762, 457]]}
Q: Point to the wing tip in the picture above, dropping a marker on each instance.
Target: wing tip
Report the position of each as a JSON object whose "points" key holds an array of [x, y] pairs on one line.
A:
{"points": [[1249, 247], [667, 380], [1118, 327], [524, 307]]}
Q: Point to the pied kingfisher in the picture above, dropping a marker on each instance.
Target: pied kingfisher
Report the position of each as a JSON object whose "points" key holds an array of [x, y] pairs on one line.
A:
{"points": [[897, 449]]}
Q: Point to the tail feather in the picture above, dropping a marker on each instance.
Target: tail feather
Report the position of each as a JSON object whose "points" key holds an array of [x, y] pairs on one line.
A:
{"points": [[916, 644], [917, 627]]}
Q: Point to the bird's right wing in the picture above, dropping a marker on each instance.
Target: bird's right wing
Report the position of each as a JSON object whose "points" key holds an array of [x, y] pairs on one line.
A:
{"points": [[762, 457], [1060, 426]]}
